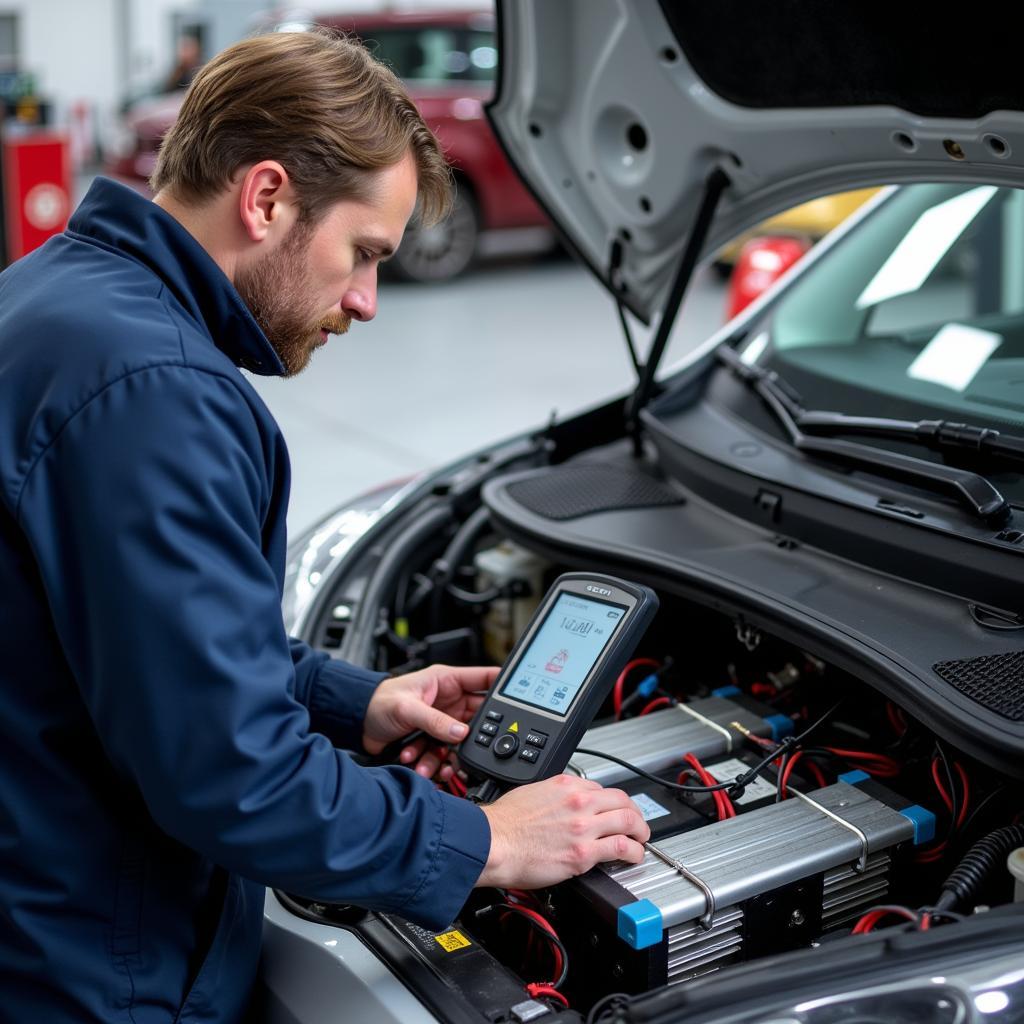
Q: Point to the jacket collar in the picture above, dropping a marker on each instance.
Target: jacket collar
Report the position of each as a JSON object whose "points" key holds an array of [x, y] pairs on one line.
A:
{"points": [[118, 217]]}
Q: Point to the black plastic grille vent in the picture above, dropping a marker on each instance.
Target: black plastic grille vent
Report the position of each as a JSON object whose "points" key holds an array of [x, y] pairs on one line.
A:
{"points": [[580, 490], [995, 681]]}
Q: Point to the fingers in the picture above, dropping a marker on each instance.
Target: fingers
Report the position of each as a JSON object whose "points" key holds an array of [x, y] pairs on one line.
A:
{"points": [[616, 848], [429, 763], [436, 723], [476, 678], [624, 822], [413, 751]]}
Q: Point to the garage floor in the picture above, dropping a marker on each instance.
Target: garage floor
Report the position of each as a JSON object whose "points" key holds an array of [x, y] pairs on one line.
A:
{"points": [[445, 369]]}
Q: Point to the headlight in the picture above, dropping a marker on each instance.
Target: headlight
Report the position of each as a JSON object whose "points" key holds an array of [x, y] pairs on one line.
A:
{"points": [[314, 556]]}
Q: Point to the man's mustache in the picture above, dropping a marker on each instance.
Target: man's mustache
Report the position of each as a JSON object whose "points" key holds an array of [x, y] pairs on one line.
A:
{"points": [[336, 323]]}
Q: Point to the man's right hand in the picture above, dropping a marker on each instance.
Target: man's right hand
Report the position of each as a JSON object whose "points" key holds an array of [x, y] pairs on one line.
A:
{"points": [[546, 832]]}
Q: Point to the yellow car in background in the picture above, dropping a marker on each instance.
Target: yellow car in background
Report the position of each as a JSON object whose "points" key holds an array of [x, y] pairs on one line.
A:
{"points": [[807, 222]]}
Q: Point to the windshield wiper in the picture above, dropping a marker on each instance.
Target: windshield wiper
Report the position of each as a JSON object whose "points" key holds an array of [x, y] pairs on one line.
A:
{"points": [[972, 489]]}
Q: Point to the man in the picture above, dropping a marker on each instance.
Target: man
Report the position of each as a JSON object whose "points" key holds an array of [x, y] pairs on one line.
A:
{"points": [[165, 750]]}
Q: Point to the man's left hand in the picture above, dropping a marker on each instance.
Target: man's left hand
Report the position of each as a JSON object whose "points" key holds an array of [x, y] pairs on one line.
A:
{"points": [[439, 700]]}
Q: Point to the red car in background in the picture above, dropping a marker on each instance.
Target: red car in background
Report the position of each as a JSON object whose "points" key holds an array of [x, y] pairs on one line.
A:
{"points": [[448, 61]]}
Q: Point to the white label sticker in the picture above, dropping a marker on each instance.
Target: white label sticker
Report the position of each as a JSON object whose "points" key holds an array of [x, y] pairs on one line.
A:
{"points": [[649, 807], [726, 771], [954, 356]]}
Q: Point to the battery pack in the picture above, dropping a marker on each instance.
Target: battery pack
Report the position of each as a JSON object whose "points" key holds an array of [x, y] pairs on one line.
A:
{"points": [[658, 742], [765, 881]]}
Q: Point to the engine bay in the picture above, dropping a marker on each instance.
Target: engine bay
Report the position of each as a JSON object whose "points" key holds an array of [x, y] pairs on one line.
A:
{"points": [[845, 815]]}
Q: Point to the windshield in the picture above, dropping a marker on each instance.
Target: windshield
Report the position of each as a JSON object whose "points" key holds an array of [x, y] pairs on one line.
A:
{"points": [[432, 54], [918, 313]]}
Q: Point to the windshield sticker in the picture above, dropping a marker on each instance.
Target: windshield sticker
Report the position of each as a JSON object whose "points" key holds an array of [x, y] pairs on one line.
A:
{"points": [[924, 245], [954, 356]]}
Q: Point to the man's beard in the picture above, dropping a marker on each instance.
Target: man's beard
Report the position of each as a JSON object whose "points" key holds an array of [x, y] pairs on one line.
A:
{"points": [[273, 289]]}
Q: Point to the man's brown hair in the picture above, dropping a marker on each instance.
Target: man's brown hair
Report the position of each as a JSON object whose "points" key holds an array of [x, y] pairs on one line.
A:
{"points": [[316, 102]]}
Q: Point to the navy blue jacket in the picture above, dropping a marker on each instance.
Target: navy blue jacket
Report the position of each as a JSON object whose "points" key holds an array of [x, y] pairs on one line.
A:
{"points": [[165, 750]]}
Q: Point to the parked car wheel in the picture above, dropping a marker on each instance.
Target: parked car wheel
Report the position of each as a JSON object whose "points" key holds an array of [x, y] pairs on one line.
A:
{"points": [[443, 251]]}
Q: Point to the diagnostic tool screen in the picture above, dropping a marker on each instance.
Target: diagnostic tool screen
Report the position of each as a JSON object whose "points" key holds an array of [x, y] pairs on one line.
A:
{"points": [[570, 639]]}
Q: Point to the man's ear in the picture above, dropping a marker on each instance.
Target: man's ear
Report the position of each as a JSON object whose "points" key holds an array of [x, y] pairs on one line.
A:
{"points": [[266, 201]]}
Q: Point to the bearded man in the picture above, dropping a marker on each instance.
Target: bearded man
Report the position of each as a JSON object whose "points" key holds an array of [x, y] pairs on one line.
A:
{"points": [[166, 751]]}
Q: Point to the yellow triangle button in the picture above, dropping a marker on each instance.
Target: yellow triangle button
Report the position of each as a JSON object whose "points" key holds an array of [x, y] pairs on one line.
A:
{"points": [[514, 727]]}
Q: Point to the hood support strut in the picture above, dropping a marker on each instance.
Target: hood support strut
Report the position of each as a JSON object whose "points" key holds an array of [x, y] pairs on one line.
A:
{"points": [[714, 186]]}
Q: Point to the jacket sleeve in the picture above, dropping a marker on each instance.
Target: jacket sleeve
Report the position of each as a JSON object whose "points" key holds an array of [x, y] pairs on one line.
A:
{"points": [[145, 516], [335, 693]]}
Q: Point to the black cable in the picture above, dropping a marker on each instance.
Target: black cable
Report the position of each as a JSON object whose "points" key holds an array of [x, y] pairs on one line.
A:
{"points": [[602, 1006], [654, 778], [739, 784], [817, 722], [985, 857], [550, 936], [473, 597], [485, 792], [974, 815]]}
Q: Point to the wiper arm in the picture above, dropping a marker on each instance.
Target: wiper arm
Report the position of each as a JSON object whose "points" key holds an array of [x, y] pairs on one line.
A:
{"points": [[972, 489], [942, 435]]}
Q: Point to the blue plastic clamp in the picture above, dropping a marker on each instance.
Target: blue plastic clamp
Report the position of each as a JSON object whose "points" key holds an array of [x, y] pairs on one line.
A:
{"points": [[854, 777], [640, 924], [648, 685], [780, 725], [923, 821], [726, 691]]}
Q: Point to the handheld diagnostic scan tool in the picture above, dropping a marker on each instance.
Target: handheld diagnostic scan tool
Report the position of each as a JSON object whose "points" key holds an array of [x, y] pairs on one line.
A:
{"points": [[556, 678]]}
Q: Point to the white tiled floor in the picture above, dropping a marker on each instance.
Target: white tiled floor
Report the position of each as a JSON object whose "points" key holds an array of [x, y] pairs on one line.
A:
{"points": [[445, 369]]}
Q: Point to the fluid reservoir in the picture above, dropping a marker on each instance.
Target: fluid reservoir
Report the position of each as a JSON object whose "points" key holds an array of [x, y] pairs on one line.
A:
{"points": [[1015, 862], [504, 566]]}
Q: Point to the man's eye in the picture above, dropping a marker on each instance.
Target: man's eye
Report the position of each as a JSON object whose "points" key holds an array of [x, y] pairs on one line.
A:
{"points": [[365, 256]]}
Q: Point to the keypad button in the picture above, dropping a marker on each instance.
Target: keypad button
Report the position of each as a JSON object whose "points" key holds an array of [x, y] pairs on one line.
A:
{"points": [[506, 746], [536, 739], [494, 716], [529, 754], [490, 728], [483, 740]]}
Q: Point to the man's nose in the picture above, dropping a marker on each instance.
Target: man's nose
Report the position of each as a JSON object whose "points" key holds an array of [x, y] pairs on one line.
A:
{"points": [[361, 303]]}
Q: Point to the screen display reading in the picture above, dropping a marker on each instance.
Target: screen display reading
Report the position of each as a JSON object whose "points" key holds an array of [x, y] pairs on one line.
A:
{"points": [[570, 640]]}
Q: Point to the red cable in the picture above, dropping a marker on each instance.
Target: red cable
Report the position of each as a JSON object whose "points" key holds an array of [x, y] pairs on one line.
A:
{"points": [[896, 719], [546, 925], [819, 775], [936, 778], [722, 801], [965, 783], [872, 917], [658, 702], [874, 764], [788, 771], [536, 988], [621, 681]]}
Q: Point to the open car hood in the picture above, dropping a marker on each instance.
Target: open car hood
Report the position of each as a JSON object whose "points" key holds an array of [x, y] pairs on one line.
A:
{"points": [[617, 112]]}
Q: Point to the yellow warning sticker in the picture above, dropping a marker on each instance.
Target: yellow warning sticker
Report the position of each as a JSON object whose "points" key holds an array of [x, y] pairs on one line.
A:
{"points": [[451, 941], [514, 727]]}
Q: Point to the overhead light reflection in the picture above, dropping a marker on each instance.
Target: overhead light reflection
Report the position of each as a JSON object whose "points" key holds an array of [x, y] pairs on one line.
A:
{"points": [[994, 1001]]}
